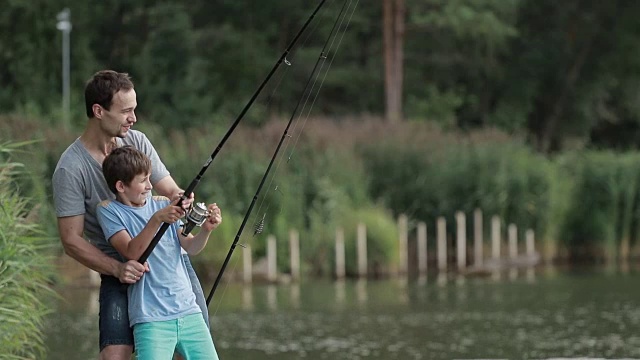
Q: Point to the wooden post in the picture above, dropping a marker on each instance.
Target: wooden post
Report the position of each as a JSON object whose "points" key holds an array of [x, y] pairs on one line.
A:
{"points": [[513, 241], [477, 238], [496, 239], [294, 246], [362, 250], [461, 243], [422, 248], [271, 258], [340, 264], [246, 264], [402, 243], [441, 229], [529, 238]]}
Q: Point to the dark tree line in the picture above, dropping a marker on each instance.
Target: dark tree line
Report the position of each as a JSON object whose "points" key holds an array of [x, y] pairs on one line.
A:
{"points": [[559, 73]]}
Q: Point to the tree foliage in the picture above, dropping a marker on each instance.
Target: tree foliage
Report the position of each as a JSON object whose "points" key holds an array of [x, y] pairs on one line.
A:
{"points": [[558, 72]]}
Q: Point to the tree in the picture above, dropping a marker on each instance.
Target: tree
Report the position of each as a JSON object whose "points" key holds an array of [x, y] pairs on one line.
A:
{"points": [[393, 19]]}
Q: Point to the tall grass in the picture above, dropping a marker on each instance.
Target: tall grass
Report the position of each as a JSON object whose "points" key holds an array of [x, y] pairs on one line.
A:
{"points": [[24, 267]]}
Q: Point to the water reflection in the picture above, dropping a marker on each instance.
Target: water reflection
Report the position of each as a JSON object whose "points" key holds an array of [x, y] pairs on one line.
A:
{"points": [[247, 297], [361, 290], [534, 314], [272, 297], [340, 290], [295, 295]]}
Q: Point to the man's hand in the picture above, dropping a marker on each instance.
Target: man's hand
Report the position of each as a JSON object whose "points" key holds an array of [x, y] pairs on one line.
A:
{"points": [[131, 271], [186, 203]]}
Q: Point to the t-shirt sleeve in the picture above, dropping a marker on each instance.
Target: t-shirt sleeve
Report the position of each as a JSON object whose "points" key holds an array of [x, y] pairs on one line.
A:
{"points": [[109, 221], [68, 193]]}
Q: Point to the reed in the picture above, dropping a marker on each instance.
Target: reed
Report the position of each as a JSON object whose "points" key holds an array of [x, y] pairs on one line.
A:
{"points": [[24, 264]]}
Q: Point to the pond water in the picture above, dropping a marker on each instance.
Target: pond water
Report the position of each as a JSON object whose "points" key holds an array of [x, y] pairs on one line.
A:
{"points": [[526, 314]]}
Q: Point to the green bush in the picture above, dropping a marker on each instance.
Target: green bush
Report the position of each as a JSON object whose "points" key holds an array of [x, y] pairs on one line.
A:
{"points": [[426, 181], [604, 205]]}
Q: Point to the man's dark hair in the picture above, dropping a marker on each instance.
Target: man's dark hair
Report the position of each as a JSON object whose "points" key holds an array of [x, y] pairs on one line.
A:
{"points": [[124, 164], [101, 88]]}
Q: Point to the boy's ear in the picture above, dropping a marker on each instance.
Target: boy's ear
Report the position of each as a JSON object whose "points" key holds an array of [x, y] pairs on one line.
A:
{"points": [[120, 186]]}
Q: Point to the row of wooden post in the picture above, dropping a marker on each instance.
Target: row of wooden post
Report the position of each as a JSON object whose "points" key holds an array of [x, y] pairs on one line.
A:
{"points": [[421, 236]]}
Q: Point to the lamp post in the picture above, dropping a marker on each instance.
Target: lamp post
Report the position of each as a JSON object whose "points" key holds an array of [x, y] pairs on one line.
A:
{"points": [[64, 25]]}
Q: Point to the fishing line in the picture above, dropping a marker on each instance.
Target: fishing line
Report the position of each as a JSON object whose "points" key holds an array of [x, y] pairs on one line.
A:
{"points": [[260, 224], [308, 91], [342, 32], [187, 193]]}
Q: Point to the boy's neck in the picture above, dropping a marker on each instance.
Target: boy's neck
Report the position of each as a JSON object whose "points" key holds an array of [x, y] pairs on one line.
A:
{"points": [[121, 199]]}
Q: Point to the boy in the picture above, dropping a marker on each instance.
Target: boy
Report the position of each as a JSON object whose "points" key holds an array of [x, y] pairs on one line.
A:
{"points": [[162, 307]]}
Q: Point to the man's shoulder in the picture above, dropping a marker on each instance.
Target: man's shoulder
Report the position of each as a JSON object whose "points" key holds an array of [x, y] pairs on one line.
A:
{"points": [[70, 157], [71, 151], [134, 137]]}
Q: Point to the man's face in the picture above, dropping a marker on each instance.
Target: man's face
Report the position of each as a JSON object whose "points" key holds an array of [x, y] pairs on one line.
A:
{"points": [[121, 116]]}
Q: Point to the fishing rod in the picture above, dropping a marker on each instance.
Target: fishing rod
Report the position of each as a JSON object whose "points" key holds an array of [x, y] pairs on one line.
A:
{"points": [[187, 193], [260, 225]]}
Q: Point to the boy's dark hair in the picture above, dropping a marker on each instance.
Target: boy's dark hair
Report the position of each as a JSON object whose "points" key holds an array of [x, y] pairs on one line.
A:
{"points": [[101, 88], [123, 164]]}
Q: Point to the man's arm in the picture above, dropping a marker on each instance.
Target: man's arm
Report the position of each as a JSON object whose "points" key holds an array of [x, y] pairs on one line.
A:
{"points": [[168, 187], [70, 229]]}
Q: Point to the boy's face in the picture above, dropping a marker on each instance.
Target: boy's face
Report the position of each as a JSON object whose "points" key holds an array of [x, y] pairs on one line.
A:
{"points": [[135, 193]]}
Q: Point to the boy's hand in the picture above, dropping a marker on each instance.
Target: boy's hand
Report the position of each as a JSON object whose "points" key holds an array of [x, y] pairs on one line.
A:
{"points": [[214, 219], [171, 213]]}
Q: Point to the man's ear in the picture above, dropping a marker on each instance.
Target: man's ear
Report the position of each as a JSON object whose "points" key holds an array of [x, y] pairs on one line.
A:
{"points": [[97, 111]]}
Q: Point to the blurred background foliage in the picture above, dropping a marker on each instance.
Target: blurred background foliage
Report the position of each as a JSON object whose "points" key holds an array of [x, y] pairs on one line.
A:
{"points": [[526, 109]]}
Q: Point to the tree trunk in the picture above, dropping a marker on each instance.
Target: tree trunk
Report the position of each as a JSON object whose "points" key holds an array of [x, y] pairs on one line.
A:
{"points": [[550, 127], [393, 44]]}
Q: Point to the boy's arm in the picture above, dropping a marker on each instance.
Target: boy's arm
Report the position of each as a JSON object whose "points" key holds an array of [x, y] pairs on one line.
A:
{"points": [[133, 248], [194, 244]]}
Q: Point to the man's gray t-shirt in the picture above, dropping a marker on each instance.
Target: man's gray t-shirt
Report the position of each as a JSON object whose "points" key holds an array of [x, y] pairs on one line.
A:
{"points": [[79, 185]]}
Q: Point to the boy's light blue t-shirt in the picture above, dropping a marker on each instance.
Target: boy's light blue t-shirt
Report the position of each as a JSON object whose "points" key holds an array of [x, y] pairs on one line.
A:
{"points": [[163, 293]]}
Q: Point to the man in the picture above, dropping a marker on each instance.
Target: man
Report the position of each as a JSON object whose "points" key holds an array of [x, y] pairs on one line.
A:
{"points": [[79, 185]]}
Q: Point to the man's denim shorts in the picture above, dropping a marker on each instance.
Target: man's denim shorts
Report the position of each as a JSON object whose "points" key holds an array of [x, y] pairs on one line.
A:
{"points": [[114, 316]]}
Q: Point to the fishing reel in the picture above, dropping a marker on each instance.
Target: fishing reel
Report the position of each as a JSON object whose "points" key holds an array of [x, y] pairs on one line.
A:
{"points": [[195, 216]]}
